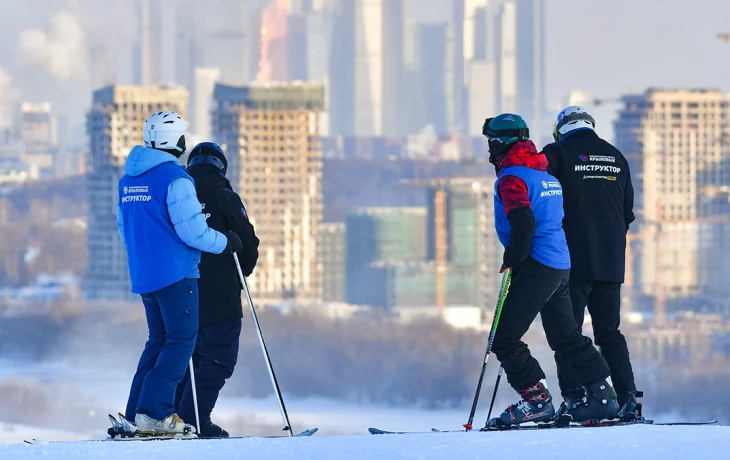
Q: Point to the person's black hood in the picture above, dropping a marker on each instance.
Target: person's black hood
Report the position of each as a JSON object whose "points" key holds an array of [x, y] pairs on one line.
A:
{"points": [[207, 177]]}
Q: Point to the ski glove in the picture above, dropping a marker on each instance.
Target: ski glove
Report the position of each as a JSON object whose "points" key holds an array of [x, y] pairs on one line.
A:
{"points": [[234, 243], [512, 259], [522, 228]]}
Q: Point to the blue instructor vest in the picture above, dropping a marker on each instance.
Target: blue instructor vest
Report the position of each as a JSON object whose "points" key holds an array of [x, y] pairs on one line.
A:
{"points": [[157, 257], [546, 198]]}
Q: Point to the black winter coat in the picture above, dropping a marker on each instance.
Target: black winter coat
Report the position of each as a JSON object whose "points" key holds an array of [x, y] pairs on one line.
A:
{"points": [[598, 200], [219, 285]]}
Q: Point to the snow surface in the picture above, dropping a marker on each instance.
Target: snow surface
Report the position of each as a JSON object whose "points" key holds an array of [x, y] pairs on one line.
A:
{"points": [[641, 442], [13, 432]]}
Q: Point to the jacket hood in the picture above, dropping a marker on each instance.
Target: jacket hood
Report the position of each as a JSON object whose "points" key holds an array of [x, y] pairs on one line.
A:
{"points": [[142, 159], [208, 177], [524, 154]]}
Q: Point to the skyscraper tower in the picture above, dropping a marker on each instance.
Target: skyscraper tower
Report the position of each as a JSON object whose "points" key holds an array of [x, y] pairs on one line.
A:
{"points": [[366, 82]]}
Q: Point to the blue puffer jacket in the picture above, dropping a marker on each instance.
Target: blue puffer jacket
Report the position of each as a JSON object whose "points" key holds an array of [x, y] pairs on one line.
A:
{"points": [[161, 221]]}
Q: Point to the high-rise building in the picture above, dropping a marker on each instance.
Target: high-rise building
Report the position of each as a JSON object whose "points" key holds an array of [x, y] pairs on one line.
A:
{"points": [[392, 102], [205, 80], [271, 134], [284, 42], [320, 27], [531, 75], [39, 133], [507, 58], [366, 77], [446, 254], [432, 64], [331, 247], [38, 128], [521, 63], [369, 67], [378, 240], [462, 242], [676, 143], [455, 71], [149, 53], [475, 29], [188, 52], [228, 36], [482, 94], [114, 126]]}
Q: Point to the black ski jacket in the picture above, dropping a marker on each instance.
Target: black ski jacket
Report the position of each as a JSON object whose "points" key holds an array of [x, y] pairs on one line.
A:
{"points": [[219, 285], [598, 200]]}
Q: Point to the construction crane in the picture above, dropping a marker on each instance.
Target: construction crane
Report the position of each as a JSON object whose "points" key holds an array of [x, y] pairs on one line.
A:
{"points": [[660, 310], [441, 240]]}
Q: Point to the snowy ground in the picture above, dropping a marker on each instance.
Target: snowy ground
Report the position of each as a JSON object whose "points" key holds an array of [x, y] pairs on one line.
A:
{"points": [[641, 442]]}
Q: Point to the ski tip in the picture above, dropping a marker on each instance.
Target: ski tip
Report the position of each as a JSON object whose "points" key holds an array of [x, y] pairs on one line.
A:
{"points": [[309, 432], [378, 431]]}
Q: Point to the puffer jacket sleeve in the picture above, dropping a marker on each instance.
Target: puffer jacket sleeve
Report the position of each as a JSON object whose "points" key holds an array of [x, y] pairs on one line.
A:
{"points": [[187, 217], [120, 223]]}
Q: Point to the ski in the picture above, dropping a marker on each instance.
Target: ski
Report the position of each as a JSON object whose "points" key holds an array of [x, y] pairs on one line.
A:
{"points": [[377, 431], [303, 434]]}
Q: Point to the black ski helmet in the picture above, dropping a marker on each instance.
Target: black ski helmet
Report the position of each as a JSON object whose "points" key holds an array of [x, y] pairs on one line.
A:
{"points": [[208, 153]]}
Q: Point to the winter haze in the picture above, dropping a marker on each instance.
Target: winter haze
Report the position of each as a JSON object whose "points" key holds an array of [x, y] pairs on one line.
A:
{"points": [[604, 48], [67, 362]]}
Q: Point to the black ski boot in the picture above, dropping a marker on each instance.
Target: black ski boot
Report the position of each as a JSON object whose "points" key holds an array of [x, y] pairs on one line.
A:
{"points": [[211, 430], [599, 403], [569, 400], [630, 409], [536, 406]]}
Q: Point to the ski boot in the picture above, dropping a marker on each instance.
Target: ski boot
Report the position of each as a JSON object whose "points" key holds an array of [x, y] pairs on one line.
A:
{"points": [[122, 428], [535, 406], [630, 409], [570, 399], [598, 404], [211, 430], [172, 426]]}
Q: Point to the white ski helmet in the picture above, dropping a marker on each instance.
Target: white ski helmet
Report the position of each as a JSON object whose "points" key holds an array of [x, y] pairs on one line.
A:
{"points": [[165, 130], [570, 119]]}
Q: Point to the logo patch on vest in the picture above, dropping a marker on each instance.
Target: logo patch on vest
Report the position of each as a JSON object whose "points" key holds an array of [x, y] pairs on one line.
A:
{"points": [[136, 193]]}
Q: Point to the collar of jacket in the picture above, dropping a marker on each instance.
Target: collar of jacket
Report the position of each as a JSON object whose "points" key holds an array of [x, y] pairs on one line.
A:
{"points": [[207, 177]]}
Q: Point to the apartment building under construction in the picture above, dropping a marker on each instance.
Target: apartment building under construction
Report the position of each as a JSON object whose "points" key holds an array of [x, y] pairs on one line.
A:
{"points": [[271, 135], [677, 144]]}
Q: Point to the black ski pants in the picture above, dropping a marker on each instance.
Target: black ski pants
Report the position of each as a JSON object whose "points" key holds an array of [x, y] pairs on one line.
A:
{"points": [[603, 299], [214, 359], [529, 295]]}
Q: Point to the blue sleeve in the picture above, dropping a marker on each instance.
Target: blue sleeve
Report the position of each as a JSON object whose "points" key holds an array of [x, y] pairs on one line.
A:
{"points": [[188, 219], [120, 223]]}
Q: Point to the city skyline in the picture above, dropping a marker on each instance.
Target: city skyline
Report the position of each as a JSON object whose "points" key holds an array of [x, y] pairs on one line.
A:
{"points": [[107, 36]]}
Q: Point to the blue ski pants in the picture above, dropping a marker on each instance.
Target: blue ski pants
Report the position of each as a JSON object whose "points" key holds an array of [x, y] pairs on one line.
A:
{"points": [[172, 320]]}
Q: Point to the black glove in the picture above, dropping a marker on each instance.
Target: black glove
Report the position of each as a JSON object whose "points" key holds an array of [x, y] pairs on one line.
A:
{"points": [[234, 243], [247, 271], [522, 228], [511, 259]]}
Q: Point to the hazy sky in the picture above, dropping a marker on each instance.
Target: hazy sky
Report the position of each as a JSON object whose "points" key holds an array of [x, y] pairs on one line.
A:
{"points": [[604, 47]]}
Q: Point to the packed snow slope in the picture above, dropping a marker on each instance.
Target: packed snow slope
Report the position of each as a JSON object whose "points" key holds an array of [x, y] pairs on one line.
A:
{"points": [[609, 443]]}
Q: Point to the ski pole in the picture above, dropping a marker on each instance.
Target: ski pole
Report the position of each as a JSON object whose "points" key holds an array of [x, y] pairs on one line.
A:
{"points": [[274, 382], [500, 301], [195, 395], [494, 395]]}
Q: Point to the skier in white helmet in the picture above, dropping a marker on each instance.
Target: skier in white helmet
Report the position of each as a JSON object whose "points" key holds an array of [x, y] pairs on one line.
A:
{"points": [[161, 223], [598, 201]]}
